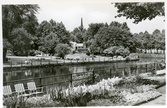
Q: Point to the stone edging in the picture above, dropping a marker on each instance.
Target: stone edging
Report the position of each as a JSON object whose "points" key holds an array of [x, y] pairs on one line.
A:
{"points": [[142, 102]]}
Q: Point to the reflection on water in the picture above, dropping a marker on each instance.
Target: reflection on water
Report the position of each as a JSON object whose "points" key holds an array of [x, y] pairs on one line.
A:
{"points": [[34, 73]]}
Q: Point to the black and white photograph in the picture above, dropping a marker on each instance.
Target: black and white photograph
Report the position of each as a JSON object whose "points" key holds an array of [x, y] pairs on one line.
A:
{"points": [[83, 53]]}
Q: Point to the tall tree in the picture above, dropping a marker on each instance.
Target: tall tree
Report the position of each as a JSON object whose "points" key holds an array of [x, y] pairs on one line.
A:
{"points": [[140, 11], [78, 35], [146, 40], [50, 34], [159, 39], [91, 32], [18, 16], [113, 36], [21, 41]]}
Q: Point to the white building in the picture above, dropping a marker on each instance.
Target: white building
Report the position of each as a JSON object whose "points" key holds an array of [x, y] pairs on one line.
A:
{"points": [[77, 46]]}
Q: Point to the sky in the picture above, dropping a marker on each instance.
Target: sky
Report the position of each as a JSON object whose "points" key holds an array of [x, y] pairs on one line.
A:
{"points": [[70, 13]]}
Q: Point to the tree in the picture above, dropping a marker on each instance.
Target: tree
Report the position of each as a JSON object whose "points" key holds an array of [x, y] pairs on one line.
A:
{"points": [[115, 24], [92, 30], [6, 46], [18, 16], [102, 37], [49, 43], [146, 41], [21, 41], [50, 34], [140, 11], [62, 50], [137, 40], [125, 26], [78, 34], [159, 39], [113, 36]]}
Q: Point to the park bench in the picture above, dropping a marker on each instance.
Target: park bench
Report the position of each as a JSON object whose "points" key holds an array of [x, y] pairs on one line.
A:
{"points": [[20, 90], [33, 89]]}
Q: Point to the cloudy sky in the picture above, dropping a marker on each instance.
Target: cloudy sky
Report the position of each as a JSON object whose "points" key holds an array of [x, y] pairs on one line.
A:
{"points": [[70, 13]]}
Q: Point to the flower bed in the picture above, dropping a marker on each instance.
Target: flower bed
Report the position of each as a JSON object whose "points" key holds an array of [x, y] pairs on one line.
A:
{"points": [[108, 92]]}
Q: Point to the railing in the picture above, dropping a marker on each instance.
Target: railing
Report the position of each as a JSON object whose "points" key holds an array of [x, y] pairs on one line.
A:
{"points": [[92, 75]]}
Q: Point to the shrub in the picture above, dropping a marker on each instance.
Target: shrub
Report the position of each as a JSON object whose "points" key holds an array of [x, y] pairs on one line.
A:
{"points": [[88, 53], [144, 81], [127, 58], [32, 53]]}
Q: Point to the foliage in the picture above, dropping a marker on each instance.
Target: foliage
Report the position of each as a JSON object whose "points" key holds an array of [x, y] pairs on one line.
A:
{"points": [[127, 58], [114, 101], [32, 52], [111, 36], [84, 79], [104, 93], [111, 50], [18, 18], [10, 101], [140, 11], [6, 46], [146, 81], [117, 51], [80, 100], [20, 37], [88, 53], [50, 34], [156, 40], [121, 51], [62, 50], [77, 35], [136, 98], [91, 32]]}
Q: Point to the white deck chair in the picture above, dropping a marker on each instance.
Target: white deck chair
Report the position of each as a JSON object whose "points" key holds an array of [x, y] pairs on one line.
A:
{"points": [[7, 91], [33, 89], [20, 90]]}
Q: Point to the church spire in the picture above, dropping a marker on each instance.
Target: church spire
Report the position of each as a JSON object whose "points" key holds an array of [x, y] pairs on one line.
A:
{"points": [[81, 27]]}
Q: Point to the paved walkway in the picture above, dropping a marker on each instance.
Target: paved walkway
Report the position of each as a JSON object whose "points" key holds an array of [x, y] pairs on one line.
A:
{"points": [[160, 101]]}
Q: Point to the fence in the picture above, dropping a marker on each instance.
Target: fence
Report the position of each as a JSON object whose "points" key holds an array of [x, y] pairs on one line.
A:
{"points": [[88, 77]]}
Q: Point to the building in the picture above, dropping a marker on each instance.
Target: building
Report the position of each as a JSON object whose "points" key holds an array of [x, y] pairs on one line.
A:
{"points": [[77, 46]]}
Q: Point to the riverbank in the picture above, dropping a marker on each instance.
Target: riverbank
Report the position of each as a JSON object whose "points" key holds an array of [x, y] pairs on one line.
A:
{"points": [[142, 55], [59, 62]]}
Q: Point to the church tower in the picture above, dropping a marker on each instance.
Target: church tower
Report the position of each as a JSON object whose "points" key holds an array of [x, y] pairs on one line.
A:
{"points": [[81, 27]]}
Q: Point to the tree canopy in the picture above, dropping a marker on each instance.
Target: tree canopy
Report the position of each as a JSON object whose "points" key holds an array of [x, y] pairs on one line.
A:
{"points": [[50, 34], [140, 11], [22, 33], [18, 21]]}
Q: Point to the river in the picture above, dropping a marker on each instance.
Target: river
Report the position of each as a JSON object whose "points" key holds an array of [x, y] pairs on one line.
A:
{"points": [[33, 73]]}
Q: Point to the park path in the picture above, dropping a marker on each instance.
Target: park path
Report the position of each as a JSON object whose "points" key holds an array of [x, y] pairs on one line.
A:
{"points": [[160, 101]]}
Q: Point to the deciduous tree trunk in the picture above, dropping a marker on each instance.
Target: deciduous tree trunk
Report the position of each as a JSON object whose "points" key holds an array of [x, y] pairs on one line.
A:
{"points": [[4, 54]]}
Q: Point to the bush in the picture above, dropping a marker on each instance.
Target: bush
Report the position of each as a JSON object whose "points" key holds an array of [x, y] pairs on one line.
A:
{"points": [[32, 53], [88, 53], [147, 81], [127, 58], [74, 51], [62, 50]]}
